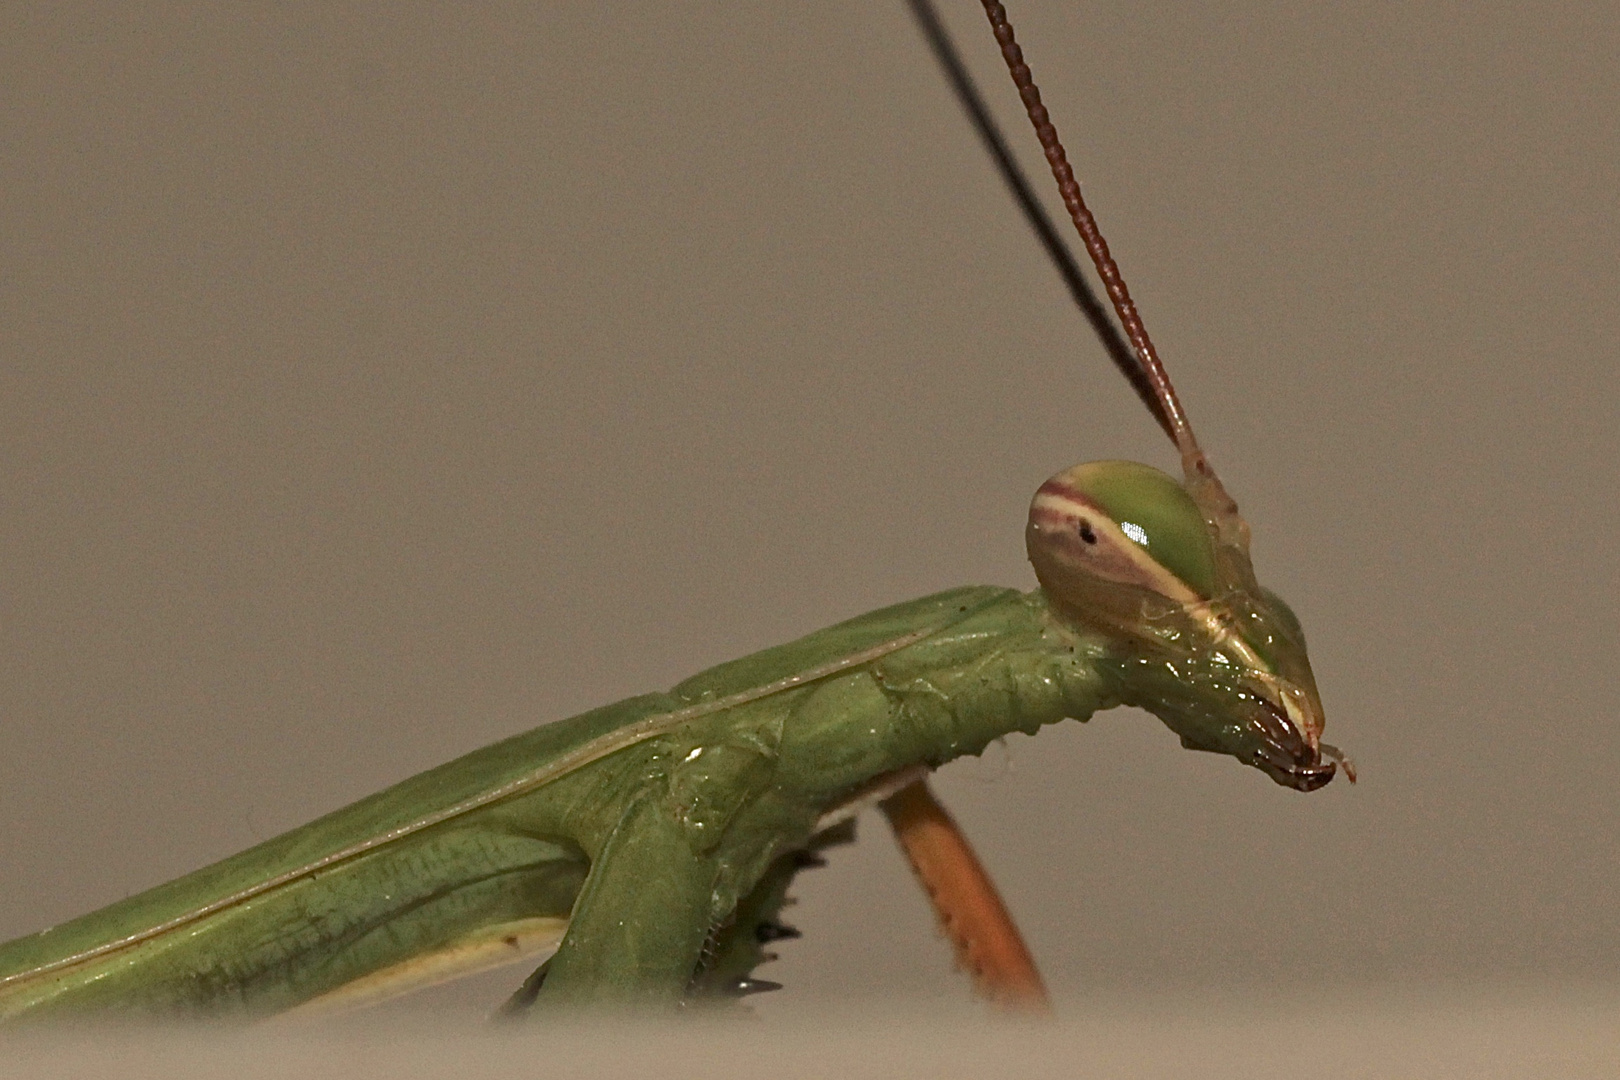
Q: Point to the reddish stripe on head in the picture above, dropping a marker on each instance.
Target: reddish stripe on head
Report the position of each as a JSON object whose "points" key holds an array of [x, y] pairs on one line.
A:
{"points": [[1057, 487]]}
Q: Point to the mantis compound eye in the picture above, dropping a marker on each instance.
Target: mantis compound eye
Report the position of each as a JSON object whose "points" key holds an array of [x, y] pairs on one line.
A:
{"points": [[1123, 522]]}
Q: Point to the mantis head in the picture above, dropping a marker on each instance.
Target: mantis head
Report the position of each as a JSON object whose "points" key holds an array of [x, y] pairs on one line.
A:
{"points": [[1161, 569], [1124, 550]]}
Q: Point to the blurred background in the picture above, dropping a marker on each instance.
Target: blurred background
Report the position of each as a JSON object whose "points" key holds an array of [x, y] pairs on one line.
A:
{"points": [[377, 381]]}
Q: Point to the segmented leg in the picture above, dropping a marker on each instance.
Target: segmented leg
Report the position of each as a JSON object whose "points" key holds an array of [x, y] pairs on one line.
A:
{"points": [[639, 925], [971, 913], [745, 942]]}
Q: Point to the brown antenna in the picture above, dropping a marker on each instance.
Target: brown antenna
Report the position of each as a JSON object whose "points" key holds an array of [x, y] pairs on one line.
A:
{"points": [[1192, 458], [1023, 193]]}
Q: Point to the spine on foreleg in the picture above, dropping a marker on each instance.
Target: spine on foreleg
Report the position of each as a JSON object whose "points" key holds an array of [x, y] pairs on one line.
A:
{"points": [[736, 949]]}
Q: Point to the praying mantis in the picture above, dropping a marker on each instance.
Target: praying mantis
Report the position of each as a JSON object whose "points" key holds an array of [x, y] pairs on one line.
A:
{"points": [[750, 763]]}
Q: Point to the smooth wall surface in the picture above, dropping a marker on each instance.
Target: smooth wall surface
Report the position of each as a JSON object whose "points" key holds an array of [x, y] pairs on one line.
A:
{"points": [[380, 380]]}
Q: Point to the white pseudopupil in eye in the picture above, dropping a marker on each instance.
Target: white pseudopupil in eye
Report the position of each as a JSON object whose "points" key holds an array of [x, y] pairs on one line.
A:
{"points": [[1134, 531]]}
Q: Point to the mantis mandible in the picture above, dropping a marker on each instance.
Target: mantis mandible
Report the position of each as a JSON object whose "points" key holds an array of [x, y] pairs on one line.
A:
{"points": [[652, 841]]}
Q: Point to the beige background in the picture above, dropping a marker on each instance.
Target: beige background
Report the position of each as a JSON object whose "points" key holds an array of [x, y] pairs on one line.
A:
{"points": [[382, 380]]}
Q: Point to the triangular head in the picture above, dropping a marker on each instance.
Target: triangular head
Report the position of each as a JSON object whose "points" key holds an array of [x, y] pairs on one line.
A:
{"points": [[1124, 550]]}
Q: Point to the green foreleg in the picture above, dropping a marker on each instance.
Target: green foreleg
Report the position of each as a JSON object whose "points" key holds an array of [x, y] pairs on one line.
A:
{"points": [[639, 926], [728, 972]]}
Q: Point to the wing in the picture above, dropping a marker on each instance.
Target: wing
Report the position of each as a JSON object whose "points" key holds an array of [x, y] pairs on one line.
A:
{"points": [[434, 897]]}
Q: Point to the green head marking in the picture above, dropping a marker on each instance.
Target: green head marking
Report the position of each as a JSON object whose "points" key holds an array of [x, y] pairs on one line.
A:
{"points": [[1155, 512], [1122, 522]]}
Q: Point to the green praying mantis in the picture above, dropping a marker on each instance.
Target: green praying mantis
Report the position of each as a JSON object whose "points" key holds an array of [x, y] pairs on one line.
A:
{"points": [[652, 841]]}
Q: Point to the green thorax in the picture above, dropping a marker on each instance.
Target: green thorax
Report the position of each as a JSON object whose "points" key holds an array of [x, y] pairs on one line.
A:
{"points": [[978, 663]]}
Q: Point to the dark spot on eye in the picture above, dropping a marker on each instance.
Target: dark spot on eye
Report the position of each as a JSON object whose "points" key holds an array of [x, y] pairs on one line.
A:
{"points": [[1085, 532]]}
